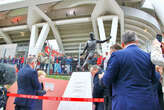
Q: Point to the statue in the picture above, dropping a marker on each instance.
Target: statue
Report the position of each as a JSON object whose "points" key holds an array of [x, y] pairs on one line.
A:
{"points": [[91, 47]]}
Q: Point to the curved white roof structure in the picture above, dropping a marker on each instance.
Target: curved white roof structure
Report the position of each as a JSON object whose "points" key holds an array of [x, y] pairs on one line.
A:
{"points": [[70, 21]]}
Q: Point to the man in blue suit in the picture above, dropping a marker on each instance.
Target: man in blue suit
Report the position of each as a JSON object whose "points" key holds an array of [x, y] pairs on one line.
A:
{"points": [[99, 91], [132, 75], [28, 84]]}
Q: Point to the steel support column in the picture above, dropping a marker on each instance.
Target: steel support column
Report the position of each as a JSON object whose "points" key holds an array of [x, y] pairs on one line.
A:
{"points": [[42, 37], [5, 37], [52, 25], [102, 34], [113, 33], [33, 38]]}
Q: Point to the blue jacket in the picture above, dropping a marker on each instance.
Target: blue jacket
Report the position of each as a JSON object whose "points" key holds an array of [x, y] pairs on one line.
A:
{"points": [[158, 90], [131, 74], [99, 91], [68, 61], [28, 83], [37, 104]]}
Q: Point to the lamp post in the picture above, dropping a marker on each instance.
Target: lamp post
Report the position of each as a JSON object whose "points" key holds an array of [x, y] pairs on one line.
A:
{"points": [[79, 55], [49, 63], [4, 55]]}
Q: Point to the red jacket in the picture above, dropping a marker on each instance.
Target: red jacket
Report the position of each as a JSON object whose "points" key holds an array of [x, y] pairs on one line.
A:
{"points": [[22, 60], [99, 60]]}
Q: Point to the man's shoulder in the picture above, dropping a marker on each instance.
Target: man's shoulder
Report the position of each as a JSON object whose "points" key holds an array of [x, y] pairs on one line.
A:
{"points": [[126, 50], [119, 52], [127, 53], [28, 69]]}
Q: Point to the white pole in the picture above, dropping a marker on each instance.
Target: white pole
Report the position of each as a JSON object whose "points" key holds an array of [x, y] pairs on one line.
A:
{"points": [[113, 33], [114, 28], [102, 34], [33, 38], [42, 37]]}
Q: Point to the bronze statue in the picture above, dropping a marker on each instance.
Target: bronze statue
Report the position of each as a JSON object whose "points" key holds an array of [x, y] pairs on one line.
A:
{"points": [[90, 48]]}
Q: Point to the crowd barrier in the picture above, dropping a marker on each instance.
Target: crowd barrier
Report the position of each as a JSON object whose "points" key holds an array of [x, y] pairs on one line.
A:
{"points": [[56, 98], [105, 99], [77, 95]]}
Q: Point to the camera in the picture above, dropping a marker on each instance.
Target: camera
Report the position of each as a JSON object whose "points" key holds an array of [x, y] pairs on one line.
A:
{"points": [[159, 37]]}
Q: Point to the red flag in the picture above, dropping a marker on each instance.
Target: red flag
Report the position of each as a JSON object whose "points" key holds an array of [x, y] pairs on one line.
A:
{"points": [[47, 49]]}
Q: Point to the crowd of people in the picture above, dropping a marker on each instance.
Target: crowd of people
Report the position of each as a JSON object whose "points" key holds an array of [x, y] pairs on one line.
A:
{"points": [[18, 61], [133, 79], [58, 64], [30, 82]]}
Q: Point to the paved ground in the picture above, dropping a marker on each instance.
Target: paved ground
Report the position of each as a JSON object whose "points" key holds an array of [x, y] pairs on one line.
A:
{"points": [[59, 88]]}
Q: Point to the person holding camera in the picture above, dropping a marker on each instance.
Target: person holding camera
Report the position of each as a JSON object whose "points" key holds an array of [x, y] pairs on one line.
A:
{"points": [[131, 75], [3, 98], [157, 52], [7, 77], [157, 58]]}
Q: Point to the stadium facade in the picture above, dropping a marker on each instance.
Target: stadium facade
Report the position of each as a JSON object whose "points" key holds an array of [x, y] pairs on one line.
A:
{"points": [[30, 22]]}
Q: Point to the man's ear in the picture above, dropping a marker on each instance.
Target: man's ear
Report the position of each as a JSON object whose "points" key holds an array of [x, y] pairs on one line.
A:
{"points": [[137, 41], [123, 45]]}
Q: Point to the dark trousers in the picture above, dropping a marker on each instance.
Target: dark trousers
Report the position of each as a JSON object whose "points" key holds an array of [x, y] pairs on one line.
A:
{"points": [[100, 106], [42, 66], [47, 67], [37, 105], [17, 107], [53, 67], [160, 96]]}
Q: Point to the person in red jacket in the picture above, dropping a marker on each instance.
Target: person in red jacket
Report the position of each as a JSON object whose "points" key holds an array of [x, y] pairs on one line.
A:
{"points": [[21, 62], [99, 60]]}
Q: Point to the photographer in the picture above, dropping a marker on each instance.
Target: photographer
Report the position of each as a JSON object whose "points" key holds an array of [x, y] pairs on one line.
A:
{"points": [[156, 53], [157, 58], [3, 98], [7, 77]]}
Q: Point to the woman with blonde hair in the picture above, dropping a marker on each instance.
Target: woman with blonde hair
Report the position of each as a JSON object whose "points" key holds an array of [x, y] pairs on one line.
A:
{"points": [[38, 103]]}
